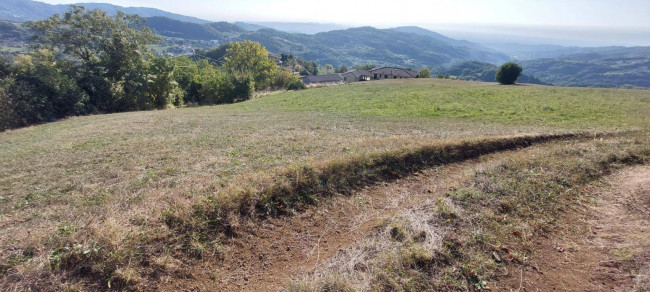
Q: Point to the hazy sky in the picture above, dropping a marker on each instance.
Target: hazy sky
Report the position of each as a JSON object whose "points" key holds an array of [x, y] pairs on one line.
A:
{"points": [[610, 16]]}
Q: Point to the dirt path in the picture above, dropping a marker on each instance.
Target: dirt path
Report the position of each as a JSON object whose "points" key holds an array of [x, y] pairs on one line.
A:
{"points": [[266, 257], [608, 251]]}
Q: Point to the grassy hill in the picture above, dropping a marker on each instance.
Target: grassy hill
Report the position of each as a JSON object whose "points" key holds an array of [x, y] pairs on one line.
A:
{"points": [[98, 198]]}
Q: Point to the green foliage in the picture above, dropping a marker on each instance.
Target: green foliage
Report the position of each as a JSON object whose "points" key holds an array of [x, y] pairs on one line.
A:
{"points": [[283, 78], [342, 69], [472, 70], [364, 67], [162, 88], [308, 68], [327, 69], [249, 58], [215, 55], [296, 85], [479, 71], [107, 55], [87, 62], [36, 91], [508, 73], [203, 83], [424, 73]]}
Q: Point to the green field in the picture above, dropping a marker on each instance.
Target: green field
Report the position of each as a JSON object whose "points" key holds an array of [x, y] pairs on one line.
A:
{"points": [[474, 102], [57, 179]]}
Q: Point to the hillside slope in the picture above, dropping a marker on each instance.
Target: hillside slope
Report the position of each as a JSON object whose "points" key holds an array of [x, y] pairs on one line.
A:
{"points": [[628, 67], [368, 45], [28, 10], [363, 45], [143, 199]]}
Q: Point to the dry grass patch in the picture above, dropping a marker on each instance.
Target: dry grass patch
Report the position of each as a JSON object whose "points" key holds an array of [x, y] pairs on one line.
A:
{"points": [[486, 227], [109, 189]]}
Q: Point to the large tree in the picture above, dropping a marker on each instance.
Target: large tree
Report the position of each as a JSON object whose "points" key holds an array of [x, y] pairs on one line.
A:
{"points": [[508, 73], [106, 55], [249, 59]]}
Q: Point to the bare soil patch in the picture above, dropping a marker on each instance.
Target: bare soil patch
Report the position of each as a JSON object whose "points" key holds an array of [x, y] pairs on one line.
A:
{"points": [[265, 257], [604, 245]]}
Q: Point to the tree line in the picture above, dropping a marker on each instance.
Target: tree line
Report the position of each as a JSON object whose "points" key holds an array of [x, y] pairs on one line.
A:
{"points": [[86, 62]]}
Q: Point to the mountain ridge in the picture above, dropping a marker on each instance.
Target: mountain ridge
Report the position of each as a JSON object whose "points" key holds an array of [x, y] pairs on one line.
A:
{"points": [[28, 10]]}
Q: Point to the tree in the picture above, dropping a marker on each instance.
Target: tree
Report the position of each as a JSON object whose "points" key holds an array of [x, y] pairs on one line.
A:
{"points": [[342, 69], [161, 86], [508, 73], [37, 91], [364, 67], [249, 58], [424, 73], [309, 68], [107, 56], [327, 69]]}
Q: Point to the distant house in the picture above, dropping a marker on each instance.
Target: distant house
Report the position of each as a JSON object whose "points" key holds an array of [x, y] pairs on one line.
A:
{"points": [[392, 73], [314, 79], [356, 75]]}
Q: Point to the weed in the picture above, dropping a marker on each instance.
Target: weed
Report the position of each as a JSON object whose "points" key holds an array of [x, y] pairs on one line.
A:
{"points": [[398, 233]]}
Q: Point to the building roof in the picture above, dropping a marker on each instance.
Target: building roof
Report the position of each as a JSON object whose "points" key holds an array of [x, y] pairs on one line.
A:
{"points": [[322, 78], [357, 73], [394, 71]]}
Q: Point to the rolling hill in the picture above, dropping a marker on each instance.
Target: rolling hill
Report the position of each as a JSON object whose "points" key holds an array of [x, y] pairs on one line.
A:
{"points": [[604, 67], [128, 197], [407, 46], [363, 45], [27, 10]]}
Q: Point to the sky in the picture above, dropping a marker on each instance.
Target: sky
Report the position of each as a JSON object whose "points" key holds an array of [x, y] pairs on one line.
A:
{"points": [[602, 22]]}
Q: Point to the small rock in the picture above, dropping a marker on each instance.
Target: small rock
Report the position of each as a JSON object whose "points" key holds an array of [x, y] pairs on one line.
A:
{"points": [[496, 257]]}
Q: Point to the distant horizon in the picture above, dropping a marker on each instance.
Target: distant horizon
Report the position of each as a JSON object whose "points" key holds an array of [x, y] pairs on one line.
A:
{"points": [[551, 23]]}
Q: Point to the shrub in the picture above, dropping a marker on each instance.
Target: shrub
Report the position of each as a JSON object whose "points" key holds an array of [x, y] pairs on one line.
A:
{"points": [[282, 79], [5, 110], [242, 89], [296, 85], [424, 73], [508, 73]]}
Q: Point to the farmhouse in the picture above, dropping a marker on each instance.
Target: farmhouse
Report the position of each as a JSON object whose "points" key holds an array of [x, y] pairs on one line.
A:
{"points": [[361, 75], [330, 78], [392, 73], [356, 75]]}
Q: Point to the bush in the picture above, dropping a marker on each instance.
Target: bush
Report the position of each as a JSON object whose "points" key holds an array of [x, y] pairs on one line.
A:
{"points": [[242, 89], [424, 73], [282, 79], [5, 110], [508, 73], [296, 85]]}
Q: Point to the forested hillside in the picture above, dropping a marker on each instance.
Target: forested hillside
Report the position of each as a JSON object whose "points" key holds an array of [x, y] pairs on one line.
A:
{"points": [[27, 10], [364, 45], [623, 69], [408, 47], [478, 71]]}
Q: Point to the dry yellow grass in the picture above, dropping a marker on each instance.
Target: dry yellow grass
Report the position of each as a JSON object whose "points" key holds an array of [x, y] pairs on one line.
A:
{"points": [[108, 178]]}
